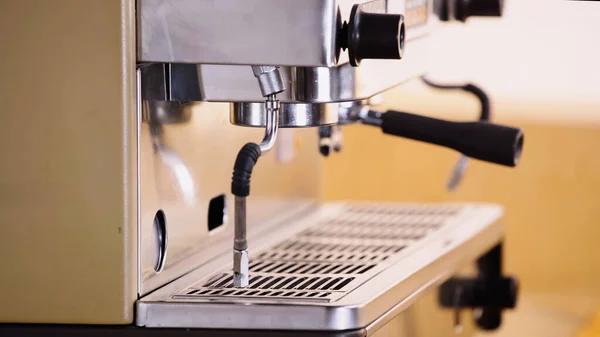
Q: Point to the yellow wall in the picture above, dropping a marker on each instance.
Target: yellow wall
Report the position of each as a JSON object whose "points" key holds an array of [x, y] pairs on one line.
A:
{"points": [[552, 199]]}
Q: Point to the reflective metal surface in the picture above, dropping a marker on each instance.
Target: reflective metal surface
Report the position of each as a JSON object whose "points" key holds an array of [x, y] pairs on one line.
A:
{"points": [[223, 83], [272, 111], [269, 80], [265, 32], [296, 115], [184, 165], [310, 73], [369, 281]]}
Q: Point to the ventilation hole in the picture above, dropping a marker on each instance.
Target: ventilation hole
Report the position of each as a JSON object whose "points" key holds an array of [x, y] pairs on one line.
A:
{"points": [[192, 292], [224, 282], [351, 257], [352, 270], [284, 266], [300, 294], [259, 283], [204, 292], [310, 269], [285, 245], [239, 292], [317, 256], [320, 283], [270, 284], [344, 283], [286, 281], [213, 281], [263, 267], [354, 249], [301, 266], [228, 292], [342, 269], [254, 279], [321, 247], [264, 293], [379, 249], [366, 269], [288, 267], [312, 294], [277, 293], [273, 267], [332, 283], [328, 270], [328, 256], [297, 282], [305, 284], [252, 293], [253, 265], [320, 268], [216, 212], [289, 293], [309, 246]]}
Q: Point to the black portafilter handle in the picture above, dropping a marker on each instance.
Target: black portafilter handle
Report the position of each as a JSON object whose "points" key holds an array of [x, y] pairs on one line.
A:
{"points": [[480, 140]]}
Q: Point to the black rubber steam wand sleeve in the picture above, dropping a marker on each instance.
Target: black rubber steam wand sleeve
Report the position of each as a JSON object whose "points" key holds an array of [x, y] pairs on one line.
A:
{"points": [[242, 169], [480, 140]]}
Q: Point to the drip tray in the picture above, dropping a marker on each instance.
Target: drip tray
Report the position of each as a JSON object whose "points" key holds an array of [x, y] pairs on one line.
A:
{"points": [[343, 266]]}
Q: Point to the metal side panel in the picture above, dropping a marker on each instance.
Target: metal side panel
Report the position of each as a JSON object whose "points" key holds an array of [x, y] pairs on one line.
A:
{"points": [[68, 183], [343, 266]]}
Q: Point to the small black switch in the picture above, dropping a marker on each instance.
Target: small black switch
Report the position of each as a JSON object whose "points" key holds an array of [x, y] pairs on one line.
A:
{"points": [[373, 36]]}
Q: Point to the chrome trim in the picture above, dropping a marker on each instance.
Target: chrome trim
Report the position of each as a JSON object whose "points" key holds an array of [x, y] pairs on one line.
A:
{"points": [[297, 115]]}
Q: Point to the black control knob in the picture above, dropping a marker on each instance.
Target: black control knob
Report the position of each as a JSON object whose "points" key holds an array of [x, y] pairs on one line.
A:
{"points": [[373, 36], [467, 8]]}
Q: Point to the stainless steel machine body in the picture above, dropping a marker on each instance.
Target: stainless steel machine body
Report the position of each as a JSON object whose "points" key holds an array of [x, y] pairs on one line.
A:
{"points": [[121, 181]]}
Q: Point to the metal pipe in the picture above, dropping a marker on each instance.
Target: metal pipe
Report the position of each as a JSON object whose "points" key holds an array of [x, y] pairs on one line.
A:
{"points": [[272, 108], [240, 243]]}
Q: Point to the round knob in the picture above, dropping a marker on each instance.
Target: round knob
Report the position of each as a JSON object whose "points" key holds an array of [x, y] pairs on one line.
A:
{"points": [[374, 36], [467, 8]]}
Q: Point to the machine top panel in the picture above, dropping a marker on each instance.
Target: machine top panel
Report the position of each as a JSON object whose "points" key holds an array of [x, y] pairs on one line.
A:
{"points": [[268, 32]]}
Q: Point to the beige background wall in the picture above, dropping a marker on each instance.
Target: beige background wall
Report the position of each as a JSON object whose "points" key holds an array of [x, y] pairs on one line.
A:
{"points": [[552, 199], [540, 65]]}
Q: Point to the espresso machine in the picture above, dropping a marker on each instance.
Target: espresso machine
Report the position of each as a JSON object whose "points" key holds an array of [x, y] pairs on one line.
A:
{"points": [[124, 120]]}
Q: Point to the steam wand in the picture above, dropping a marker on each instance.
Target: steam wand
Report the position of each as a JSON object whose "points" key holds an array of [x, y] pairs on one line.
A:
{"points": [[461, 165], [271, 84]]}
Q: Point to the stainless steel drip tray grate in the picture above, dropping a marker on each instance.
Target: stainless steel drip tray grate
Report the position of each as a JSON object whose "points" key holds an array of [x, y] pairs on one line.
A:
{"points": [[343, 256], [314, 289]]}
